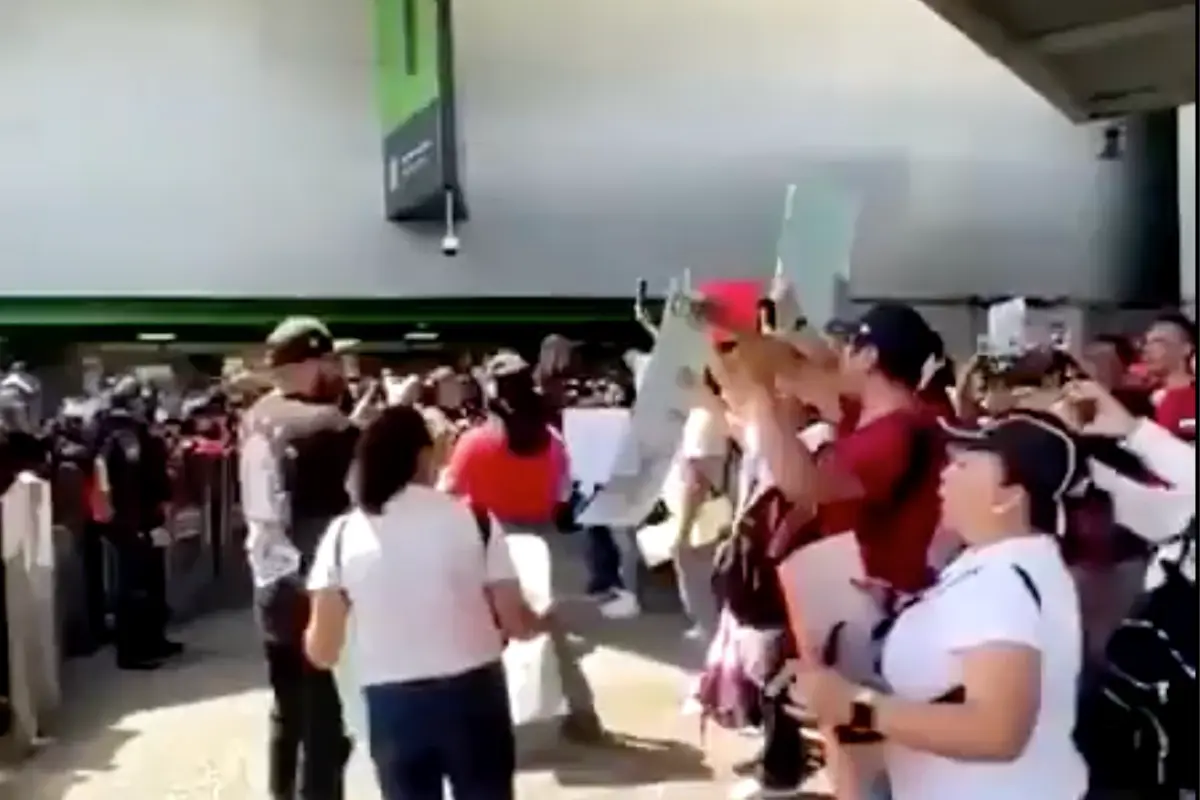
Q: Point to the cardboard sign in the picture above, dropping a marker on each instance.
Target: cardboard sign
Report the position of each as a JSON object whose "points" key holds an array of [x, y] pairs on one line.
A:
{"points": [[816, 246], [673, 371]]}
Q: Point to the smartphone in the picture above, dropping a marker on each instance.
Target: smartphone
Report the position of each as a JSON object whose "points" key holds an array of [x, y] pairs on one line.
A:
{"points": [[1058, 336], [767, 315], [639, 299]]}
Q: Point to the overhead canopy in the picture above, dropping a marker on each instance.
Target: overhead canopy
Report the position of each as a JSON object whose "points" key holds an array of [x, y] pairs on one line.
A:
{"points": [[1092, 59]]}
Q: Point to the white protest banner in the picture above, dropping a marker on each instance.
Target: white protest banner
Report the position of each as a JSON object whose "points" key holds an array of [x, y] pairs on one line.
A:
{"points": [[673, 372], [1006, 327], [593, 437]]}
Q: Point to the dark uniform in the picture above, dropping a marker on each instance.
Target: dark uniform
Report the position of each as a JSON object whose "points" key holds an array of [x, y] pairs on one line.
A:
{"points": [[295, 455], [134, 463]]}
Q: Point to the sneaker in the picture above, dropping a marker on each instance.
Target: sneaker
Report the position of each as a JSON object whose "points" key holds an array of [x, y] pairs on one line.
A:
{"points": [[753, 789], [622, 605], [747, 767], [601, 595]]}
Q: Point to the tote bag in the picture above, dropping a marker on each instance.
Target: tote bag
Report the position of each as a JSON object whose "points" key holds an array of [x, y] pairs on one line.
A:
{"points": [[345, 673]]}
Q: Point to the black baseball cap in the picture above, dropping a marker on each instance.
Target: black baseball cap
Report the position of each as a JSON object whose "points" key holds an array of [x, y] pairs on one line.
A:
{"points": [[901, 337], [1037, 450], [299, 339]]}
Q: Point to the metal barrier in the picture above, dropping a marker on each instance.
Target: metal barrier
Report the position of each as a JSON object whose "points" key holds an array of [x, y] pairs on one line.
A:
{"points": [[205, 567]]}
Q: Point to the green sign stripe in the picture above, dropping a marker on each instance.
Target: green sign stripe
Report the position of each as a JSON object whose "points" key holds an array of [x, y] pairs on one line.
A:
{"points": [[406, 59]]}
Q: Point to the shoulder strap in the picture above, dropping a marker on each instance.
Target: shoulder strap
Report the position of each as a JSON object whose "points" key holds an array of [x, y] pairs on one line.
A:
{"points": [[339, 534], [919, 457], [483, 522], [1027, 579]]}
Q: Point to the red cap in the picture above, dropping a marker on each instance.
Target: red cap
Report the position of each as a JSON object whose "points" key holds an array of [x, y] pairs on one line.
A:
{"points": [[733, 305]]}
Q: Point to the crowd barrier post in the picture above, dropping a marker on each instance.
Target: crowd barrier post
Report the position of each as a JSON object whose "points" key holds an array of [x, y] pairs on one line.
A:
{"points": [[31, 620], [76, 621], [189, 561]]}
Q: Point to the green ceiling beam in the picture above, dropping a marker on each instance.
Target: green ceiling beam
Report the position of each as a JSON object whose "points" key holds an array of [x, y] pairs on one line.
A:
{"points": [[168, 312]]}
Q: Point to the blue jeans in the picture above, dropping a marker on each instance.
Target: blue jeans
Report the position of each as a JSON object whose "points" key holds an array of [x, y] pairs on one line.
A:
{"points": [[457, 730], [603, 561]]}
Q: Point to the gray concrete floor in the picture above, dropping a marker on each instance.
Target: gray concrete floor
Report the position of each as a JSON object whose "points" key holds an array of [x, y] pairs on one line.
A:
{"points": [[195, 730]]}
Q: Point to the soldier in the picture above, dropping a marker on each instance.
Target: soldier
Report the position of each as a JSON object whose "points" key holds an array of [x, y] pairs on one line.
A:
{"points": [[296, 448], [133, 489]]}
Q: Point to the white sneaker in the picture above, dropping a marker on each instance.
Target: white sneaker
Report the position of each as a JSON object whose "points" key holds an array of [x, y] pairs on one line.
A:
{"points": [[752, 789], [622, 605]]}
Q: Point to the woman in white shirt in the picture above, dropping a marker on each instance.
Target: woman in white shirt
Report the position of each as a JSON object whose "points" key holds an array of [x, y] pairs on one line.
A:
{"points": [[434, 594], [982, 668]]}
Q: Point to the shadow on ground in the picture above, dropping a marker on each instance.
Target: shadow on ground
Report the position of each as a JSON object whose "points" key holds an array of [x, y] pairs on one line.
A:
{"points": [[621, 760], [98, 701], [657, 634]]}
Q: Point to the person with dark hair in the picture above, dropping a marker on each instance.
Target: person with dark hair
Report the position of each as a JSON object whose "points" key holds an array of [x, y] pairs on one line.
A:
{"points": [[982, 667], [513, 465], [133, 488], [1169, 351], [295, 451], [885, 466], [1108, 359], [434, 595], [938, 380]]}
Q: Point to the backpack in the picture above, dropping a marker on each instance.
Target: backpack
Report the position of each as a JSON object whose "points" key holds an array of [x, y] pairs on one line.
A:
{"points": [[765, 533], [744, 578], [1136, 725]]}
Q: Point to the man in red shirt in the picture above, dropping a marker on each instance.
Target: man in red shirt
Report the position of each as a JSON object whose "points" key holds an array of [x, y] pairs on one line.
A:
{"points": [[1109, 359], [880, 478], [1168, 350]]}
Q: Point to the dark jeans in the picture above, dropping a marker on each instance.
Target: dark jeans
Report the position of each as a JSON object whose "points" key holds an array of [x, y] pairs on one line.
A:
{"points": [[456, 729], [306, 735], [94, 592], [603, 561], [784, 757], [140, 611]]}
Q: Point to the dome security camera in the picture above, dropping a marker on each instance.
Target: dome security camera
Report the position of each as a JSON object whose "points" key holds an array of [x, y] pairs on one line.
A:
{"points": [[450, 245]]}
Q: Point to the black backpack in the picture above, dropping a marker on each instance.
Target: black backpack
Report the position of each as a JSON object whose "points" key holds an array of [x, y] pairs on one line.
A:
{"points": [[1137, 726]]}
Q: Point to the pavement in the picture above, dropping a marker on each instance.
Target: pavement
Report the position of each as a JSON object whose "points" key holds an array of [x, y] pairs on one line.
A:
{"points": [[196, 730]]}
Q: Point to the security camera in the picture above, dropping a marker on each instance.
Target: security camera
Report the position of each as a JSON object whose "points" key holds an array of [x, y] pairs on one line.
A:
{"points": [[450, 245]]}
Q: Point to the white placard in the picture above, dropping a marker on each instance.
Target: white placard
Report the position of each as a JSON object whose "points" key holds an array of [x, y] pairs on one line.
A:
{"points": [[593, 437], [1006, 327]]}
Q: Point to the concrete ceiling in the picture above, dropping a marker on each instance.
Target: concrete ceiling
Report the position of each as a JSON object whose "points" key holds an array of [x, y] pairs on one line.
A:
{"points": [[1093, 59]]}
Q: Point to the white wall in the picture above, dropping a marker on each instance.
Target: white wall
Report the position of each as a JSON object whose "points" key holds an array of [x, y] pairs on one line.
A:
{"points": [[230, 147]]}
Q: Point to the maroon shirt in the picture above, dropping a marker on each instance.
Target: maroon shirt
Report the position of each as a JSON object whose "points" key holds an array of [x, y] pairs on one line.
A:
{"points": [[896, 511]]}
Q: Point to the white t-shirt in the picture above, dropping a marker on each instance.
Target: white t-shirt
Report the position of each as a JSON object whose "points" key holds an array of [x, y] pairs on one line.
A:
{"points": [[981, 599], [705, 443], [415, 577]]}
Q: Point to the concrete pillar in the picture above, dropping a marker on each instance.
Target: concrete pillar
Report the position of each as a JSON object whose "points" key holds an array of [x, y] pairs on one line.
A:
{"points": [[1187, 206]]}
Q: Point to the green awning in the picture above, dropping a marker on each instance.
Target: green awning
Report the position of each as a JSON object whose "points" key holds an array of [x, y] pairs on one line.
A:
{"points": [[178, 312]]}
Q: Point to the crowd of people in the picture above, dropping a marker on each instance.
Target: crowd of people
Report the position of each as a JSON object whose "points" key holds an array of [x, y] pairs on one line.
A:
{"points": [[1026, 528]]}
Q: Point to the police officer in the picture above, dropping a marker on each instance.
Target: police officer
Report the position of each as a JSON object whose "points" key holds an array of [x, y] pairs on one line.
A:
{"points": [[133, 481], [296, 447]]}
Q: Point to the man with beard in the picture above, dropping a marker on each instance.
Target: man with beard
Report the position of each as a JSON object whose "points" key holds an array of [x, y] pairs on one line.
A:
{"points": [[296, 447]]}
